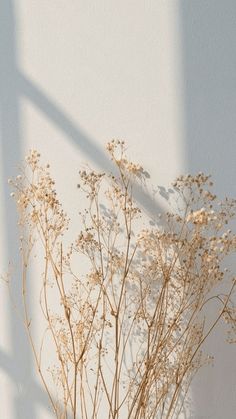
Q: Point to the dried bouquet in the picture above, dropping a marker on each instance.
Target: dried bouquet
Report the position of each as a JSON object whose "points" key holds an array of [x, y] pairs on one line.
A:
{"points": [[125, 306]]}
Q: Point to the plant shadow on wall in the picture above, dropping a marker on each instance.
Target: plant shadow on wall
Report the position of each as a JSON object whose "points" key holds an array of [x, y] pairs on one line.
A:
{"points": [[125, 305]]}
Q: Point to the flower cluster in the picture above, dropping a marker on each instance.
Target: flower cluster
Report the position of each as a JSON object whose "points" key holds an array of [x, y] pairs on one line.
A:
{"points": [[37, 200], [116, 149]]}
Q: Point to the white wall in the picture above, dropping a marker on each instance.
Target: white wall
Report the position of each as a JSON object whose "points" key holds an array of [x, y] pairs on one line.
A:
{"points": [[159, 74]]}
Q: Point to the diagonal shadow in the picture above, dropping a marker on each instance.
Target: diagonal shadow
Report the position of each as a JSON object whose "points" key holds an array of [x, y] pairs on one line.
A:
{"points": [[63, 121]]}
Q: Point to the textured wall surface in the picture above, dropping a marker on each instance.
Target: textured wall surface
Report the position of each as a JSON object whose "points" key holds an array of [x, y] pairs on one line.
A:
{"points": [[160, 74]]}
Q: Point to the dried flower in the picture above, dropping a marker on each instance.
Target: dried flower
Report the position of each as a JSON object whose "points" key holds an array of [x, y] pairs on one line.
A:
{"points": [[127, 320]]}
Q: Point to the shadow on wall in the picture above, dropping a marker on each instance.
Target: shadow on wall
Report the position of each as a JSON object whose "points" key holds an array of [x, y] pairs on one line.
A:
{"points": [[13, 86], [209, 54], [18, 363], [209, 65]]}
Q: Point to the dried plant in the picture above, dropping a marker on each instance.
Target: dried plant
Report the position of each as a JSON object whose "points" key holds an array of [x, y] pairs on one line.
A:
{"points": [[125, 305]]}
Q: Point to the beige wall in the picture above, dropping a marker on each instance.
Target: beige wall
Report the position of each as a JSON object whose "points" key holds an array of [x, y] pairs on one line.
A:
{"points": [[75, 74]]}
